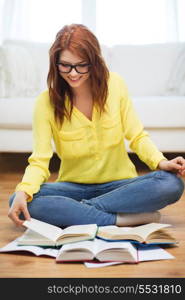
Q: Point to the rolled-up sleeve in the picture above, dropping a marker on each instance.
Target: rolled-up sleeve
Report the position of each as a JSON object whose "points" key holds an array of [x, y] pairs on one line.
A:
{"points": [[37, 172]]}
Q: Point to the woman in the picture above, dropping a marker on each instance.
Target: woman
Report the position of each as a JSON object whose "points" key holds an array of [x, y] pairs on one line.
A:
{"points": [[87, 112]]}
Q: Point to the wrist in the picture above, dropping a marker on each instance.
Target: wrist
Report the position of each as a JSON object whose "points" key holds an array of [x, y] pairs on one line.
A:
{"points": [[162, 163], [22, 194]]}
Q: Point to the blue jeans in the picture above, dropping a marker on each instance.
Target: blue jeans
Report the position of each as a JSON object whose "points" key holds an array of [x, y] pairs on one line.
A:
{"points": [[66, 203]]}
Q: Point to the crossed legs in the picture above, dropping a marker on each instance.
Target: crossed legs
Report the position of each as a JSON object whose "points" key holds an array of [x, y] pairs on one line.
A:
{"points": [[122, 202]]}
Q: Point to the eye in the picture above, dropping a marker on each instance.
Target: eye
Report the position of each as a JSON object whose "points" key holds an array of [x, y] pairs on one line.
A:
{"points": [[82, 65], [65, 65]]}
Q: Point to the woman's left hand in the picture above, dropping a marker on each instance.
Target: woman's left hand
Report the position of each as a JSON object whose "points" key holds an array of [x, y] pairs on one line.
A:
{"points": [[176, 165]]}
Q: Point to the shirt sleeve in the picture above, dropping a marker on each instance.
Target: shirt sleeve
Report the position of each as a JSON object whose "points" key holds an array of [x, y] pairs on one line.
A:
{"points": [[37, 172], [139, 139]]}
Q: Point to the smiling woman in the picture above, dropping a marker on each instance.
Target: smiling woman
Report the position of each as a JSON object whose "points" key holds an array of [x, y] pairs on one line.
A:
{"points": [[87, 111], [89, 86]]}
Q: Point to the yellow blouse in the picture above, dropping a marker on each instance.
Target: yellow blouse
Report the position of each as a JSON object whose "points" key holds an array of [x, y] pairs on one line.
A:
{"points": [[90, 151]]}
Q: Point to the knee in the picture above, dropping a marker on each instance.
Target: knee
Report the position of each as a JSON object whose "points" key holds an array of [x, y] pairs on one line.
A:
{"points": [[173, 186]]}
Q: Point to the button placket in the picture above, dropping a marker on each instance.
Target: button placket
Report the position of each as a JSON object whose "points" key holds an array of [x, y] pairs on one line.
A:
{"points": [[96, 143]]}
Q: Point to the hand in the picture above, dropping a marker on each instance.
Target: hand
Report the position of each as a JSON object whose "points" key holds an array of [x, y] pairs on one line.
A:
{"points": [[176, 165], [19, 205]]}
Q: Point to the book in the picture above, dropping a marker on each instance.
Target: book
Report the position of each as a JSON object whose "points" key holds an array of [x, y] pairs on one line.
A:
{"points": [[40, 233], [36, 250], [104, 251], [152, 233], [149, 253]]}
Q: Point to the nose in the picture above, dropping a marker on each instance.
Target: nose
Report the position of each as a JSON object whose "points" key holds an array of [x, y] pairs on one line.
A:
{"points": [[73, 72]]}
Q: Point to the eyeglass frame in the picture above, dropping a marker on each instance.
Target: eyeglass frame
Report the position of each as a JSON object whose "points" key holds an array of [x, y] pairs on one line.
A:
{"points": [[73, 67]]}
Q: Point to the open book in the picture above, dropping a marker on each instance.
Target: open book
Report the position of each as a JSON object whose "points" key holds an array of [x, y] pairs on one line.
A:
{"points": [[36, 250], [104, 251], [44, 234], [147, 253], [152, 233]]}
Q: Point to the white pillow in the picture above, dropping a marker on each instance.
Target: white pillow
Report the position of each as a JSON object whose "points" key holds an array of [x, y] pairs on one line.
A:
{"points": [[18, 72], [23, 68], [145, 68]]}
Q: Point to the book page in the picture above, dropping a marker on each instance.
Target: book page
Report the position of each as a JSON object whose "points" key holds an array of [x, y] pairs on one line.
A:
{"points": [[76, 251], [13, 246], [89, 245], [101, 264], [31, 237], [112, 231], [77, 230], [161, 236], [139, 233], [145, 230], [148, 253], [50, 231], [101, 245]]}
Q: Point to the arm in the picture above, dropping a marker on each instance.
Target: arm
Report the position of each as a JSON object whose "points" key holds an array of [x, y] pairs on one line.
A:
{"points": [[37, 171]]}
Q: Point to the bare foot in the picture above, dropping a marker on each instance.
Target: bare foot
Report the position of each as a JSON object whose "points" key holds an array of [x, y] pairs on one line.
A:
{"points": [[131, 219]]}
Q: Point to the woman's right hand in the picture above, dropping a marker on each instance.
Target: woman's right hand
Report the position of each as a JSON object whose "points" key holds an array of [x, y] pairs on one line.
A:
{"points": [[19, 206]]}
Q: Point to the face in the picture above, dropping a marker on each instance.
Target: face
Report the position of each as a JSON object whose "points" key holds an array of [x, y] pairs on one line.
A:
{"points": [[74, 79]]}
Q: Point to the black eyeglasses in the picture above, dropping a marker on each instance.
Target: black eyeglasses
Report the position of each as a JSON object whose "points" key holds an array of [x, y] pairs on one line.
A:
{"points": [[79, 68]]}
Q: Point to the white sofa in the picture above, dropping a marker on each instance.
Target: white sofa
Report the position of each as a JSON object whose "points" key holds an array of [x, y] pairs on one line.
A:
{"points": [[155, 76]]}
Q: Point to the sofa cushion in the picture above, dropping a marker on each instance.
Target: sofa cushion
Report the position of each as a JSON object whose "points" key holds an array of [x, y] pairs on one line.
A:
{"points": [[16, 113], [146, 69], [159, 112], [176, 81]]}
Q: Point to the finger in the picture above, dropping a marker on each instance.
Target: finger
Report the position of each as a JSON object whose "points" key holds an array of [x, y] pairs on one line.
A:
{"points": [[18, 221], [175, 166], [26, 213], [15, 218], [180, 160], [183, 164], [181, 173]]}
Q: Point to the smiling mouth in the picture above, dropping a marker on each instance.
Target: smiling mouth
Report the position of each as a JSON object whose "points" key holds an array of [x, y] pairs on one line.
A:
{"points": [[74, 79]]}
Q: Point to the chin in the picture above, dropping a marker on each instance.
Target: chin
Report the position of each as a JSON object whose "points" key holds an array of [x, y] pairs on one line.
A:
{"points": [[76, 84]]}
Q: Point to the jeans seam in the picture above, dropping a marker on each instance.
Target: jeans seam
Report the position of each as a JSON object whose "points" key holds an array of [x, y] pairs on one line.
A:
{"points": [[123, 186]]}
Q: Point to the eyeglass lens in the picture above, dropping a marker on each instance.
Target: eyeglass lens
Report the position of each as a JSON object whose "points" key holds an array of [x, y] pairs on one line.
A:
{"points": [[81, 68]]}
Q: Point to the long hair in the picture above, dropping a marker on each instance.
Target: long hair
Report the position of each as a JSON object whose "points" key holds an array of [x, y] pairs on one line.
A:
{"points": [[78, 39]]}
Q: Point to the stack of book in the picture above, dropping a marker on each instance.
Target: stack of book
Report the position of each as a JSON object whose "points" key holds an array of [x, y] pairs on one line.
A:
{"points": [[90, 243]]}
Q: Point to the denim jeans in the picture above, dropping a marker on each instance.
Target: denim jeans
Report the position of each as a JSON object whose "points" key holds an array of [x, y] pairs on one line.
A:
{"points": [[67, 203]]}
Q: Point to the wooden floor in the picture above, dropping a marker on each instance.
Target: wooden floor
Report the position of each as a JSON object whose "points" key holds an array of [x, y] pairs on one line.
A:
{"points": [[21, 266]]}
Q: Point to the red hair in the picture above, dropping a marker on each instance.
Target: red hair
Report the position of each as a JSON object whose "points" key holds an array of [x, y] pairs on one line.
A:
{"points": [[78, 39]]}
